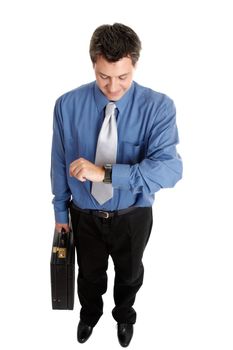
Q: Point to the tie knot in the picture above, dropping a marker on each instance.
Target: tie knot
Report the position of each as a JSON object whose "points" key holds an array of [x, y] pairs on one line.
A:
{"points": [[110, 108]]}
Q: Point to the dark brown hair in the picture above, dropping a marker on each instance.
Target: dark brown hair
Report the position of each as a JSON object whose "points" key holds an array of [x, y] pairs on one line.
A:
{"points": [[114, 42]]}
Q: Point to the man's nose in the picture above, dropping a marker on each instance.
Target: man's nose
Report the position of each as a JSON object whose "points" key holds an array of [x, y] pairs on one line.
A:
{"points": [[112, 85]]}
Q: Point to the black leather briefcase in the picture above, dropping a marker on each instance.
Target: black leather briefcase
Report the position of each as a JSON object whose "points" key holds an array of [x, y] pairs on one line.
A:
{"points": [[62, 270]]}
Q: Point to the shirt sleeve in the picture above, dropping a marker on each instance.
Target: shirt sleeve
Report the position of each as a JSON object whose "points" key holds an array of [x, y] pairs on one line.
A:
{"points": [[162, 165], [60, 187]]}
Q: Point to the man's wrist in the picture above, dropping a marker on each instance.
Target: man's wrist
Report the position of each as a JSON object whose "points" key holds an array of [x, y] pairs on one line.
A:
{"points": [[108, 174]]}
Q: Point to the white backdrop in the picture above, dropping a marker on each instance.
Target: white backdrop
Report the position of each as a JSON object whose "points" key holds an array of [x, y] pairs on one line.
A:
{"points": [[186, 300]]}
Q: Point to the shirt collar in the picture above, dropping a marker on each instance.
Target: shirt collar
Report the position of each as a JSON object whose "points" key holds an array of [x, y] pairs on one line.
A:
{"points": [[102, 101]]}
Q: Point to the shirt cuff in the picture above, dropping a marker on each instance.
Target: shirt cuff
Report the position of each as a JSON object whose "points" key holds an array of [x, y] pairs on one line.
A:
{"points": [[121, 176], [62, 217]]}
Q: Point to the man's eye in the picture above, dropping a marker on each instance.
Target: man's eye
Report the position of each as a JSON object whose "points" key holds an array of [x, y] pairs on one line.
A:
{"points": [[103, 77], [123, 77]]}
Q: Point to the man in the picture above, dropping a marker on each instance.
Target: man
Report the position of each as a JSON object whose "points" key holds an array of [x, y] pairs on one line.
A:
{"points": [[114, 146]]}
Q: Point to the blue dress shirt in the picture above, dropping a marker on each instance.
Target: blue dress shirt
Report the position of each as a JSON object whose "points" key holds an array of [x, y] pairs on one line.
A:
{"points": [[147, 159]]}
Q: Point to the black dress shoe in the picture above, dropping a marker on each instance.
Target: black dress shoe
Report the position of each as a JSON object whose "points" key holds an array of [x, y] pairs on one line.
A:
{"points": [[124, 333], [84, 332]]}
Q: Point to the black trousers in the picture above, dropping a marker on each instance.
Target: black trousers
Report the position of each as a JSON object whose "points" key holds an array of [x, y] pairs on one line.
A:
{"points": [[124, 238]]}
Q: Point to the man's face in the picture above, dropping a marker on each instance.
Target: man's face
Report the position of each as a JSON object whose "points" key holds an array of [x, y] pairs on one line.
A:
{"points": [[114, 78]]}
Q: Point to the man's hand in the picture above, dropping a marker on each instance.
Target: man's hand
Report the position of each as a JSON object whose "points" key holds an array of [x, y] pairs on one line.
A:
{"points": [[84, 170], [59, 227]]}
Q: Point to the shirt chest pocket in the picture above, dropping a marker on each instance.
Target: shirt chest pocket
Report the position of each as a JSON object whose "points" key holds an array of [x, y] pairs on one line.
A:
{"points": [[130, 153]]}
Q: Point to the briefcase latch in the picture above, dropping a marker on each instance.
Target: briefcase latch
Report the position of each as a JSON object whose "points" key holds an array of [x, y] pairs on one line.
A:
{"points": [[61, 252]]}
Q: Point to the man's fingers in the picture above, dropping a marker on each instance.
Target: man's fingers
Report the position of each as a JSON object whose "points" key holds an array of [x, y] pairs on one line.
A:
{"points": [[59, 227], [73, 167], [82, 169], [76, 166], [75, 171], [78, 173]]}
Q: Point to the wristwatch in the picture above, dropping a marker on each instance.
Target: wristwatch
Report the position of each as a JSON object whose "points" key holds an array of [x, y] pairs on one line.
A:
{"points": [[108, 174]]}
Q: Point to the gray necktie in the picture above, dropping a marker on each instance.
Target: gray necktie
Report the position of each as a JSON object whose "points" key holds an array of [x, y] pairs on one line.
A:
{"points": [[106, 152]]}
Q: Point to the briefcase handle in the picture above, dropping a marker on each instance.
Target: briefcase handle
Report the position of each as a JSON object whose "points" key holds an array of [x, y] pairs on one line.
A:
{"points": [[63, 238], [61, 249]]}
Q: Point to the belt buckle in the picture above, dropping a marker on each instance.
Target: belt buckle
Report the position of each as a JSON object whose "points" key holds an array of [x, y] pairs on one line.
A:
{"points": [[105, 214]]}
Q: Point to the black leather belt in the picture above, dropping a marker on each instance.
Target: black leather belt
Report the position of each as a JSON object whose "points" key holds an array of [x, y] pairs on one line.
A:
{"points": [[104, 214]]}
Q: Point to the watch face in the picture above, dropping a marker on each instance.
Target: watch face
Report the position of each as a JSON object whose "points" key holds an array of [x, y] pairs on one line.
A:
{"points": [[108, 173]]}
